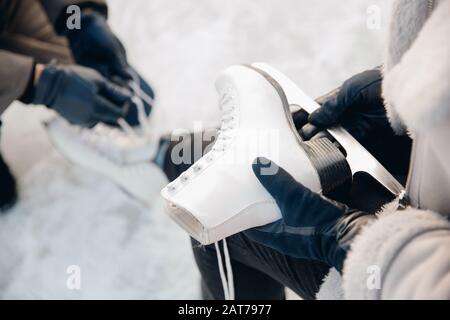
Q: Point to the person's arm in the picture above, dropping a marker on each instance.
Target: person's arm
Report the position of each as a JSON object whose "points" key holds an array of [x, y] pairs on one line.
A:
{"points": [[402, 255], [60, 87], [56, 10], [16, 75]]}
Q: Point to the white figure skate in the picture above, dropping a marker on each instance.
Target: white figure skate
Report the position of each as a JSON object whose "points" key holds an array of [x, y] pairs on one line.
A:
{"points": [[220, 195], [358, 158], [123, 154], [140, 179]]}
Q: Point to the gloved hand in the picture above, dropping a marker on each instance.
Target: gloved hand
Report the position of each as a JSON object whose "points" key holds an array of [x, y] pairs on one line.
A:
{"points": [[357, 106], [81, 95], [97, 47], [312, 226]]}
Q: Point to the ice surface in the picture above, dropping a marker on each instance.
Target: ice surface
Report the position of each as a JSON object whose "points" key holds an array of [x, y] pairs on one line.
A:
{"points": [[70, 216]]}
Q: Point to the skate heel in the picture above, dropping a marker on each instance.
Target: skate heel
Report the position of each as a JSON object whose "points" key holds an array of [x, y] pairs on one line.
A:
{"points": [[330, 163]]}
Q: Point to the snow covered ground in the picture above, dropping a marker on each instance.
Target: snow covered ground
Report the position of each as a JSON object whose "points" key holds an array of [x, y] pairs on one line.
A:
{"points": [[69, 216]]}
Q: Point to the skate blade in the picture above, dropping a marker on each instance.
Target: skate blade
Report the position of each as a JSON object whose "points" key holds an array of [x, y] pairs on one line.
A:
{"points": [[358, 158]]}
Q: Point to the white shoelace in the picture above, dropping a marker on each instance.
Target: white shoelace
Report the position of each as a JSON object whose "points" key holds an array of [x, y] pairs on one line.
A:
{"points": [[227, 107], [127, 134], [139, 98], [227, 280]]}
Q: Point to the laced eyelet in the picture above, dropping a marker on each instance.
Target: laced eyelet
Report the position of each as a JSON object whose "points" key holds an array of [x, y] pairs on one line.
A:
{"points": [[197, 168], [184, 178]]}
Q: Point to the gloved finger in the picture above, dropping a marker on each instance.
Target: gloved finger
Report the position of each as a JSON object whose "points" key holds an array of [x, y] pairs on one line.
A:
{"points": [[90, 123], [265, 235], [119, 66], [300, 118], [282, 237], [134, 112], [364, 87], [102, 68], [94, 62], [119, 80], [106, 111], [116, 94], [139, 86], [326, 97], [121, 47], [320, 135], [286, 191], [121, 71], [308, 131], [145, 87], [329, 114]]}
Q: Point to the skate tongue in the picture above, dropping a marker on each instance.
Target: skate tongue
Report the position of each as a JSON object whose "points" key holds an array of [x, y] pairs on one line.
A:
{"points": [[226, 92]]}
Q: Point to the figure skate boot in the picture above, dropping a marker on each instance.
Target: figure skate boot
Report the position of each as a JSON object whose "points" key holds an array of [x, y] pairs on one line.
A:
{"points": [[219, 195], [124, 154]]}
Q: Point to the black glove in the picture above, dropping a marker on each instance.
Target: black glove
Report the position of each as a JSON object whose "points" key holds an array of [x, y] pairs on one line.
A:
{"points": [[81, 95], [358, 106], [312, 226], [96, 46]]}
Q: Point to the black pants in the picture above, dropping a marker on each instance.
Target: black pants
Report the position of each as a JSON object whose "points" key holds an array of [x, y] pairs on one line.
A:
{"points": [[258, 272]]}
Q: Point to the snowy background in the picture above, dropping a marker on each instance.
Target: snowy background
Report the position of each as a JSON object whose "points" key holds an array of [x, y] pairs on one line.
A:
{"points": [[70, 216]]}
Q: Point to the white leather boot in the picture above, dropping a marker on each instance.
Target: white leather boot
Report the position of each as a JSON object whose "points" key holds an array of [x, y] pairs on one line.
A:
{"points": [[219, 195], [124, 154], [111, 152]]}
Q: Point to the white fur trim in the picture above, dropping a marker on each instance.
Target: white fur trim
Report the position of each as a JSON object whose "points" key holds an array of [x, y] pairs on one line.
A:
{"points": [[418, 86], [396, 123], [380, 243], [406, 19], [331, 288]]}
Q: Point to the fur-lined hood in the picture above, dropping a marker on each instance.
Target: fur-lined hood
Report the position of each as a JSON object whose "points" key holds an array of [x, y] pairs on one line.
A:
{"points": [[417, 65]]}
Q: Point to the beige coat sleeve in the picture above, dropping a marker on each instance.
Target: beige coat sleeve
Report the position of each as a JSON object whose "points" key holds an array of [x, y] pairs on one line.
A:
{"points": [[55, 9], [15, 72], [403, 255]]}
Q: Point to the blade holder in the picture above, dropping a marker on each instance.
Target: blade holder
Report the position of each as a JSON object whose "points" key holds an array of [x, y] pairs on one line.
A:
{"points": [[330, 163]]}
